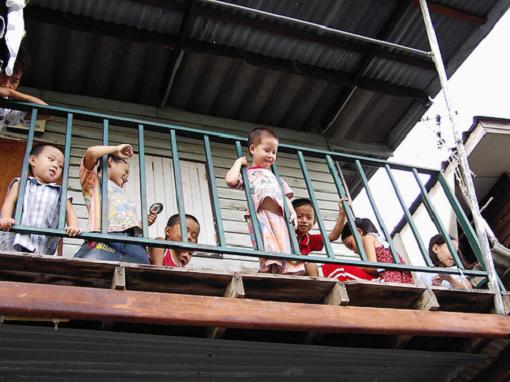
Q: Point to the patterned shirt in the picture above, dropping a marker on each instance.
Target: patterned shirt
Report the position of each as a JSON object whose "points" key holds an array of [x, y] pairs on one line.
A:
{"points": [[121, 210], [10, 117], [41, 206], [264, 184]]}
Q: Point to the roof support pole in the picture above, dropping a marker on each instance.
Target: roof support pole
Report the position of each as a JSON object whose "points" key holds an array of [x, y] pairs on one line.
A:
{"points": [[463, 162]]}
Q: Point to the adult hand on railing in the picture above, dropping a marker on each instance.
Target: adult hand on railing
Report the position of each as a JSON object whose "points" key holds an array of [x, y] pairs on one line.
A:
{"points": [[6, 223], [124, 151]]}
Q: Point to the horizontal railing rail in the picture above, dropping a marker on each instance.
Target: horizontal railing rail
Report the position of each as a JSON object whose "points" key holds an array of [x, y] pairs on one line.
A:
{"points": [[331, 162]]}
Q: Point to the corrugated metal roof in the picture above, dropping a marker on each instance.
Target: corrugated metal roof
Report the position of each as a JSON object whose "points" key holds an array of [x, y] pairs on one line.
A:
{"points": [[43, 354], [220, 84]]}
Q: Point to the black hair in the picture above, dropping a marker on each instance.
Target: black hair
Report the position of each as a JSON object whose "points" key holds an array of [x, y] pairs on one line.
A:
{"points": [[364, 224], [174, 219], [301, 202], [256, 134], [437, 240], [112, 157], [38, 148], [22, 63]]}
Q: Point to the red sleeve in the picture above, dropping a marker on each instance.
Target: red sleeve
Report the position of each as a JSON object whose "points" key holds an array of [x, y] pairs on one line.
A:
{"points": [[316, 242]]}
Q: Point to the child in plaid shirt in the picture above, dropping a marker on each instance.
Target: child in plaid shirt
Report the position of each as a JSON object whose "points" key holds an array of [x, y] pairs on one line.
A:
{"points": [[41, 204]]}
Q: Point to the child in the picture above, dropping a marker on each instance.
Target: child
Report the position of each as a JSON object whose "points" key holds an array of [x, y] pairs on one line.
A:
{"points": [[375, 250], [8, 86], [308, 243], [41, 204], [174, 257], [441, 257], [122, 217], [268, 200]]}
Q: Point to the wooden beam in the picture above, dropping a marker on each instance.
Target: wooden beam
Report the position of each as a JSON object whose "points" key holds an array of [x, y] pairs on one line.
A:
{"points": [[234, 290], [427, 302], [119, 278], [453, 12], [338, 296], [79, 303]]}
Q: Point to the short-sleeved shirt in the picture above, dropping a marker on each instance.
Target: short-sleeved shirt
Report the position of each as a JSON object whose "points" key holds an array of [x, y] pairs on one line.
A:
{"points": [[309, 243], [41, 205], [10, 117], [264, 184], [121, 210]]}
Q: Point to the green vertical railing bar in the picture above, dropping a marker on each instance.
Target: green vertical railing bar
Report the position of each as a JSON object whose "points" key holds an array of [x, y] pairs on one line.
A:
{"points": [[466, 226], [462, 218], [378, 216], [315, 205], [294, 245], [179, 195], [65, 172], [348, 211], [143, 180], [25, 168], [104, 181], [251, 208], [435, 218], [409, 218], [213, 193]]}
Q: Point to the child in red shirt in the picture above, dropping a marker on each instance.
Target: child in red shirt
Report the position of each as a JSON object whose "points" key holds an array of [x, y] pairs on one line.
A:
{"points": [[313, 242], [174, 257]]}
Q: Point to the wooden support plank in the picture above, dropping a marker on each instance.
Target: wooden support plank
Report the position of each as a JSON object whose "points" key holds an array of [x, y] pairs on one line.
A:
{"points": [[93, 304], [119, 278], [337, 296], [234, 290], [427, 302]]}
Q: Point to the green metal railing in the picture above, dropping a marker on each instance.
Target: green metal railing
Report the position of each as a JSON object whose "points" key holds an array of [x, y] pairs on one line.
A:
{"points": [[330, 159]]}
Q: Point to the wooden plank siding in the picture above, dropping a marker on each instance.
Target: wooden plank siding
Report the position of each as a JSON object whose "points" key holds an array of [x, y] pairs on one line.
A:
{"points": [[232, 202]]}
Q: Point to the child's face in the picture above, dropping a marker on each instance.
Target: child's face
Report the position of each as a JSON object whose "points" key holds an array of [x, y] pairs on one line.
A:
{"points": [[11, 82], [443, 253], [118, 172], [305, 218], [350, 243], [173, 233], [264, 152], [47, 165]]}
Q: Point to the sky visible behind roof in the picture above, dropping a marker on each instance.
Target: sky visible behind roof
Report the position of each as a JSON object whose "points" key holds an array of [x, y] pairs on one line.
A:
{"points": [[480, 87]]}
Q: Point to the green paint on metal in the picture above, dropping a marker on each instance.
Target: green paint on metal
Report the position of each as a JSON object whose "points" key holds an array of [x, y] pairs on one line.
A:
{"points": [[213, 193], [104, 181], [143, 181], [65, 172], [178, 186], [348, 210]]}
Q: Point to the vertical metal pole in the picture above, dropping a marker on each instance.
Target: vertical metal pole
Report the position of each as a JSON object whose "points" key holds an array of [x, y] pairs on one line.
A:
{"points": [[24, 168], [65, 173], [378, 216], [409, 218], [348, 211], [143, 180], [464, 165], [294, 245], [251, 207], [213, 193], [315, 205], [104, 182], [178, 186]]}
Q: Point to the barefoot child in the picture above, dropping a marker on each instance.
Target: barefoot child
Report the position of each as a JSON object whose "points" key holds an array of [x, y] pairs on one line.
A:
{"points": [[375, 250], [41, 204], [122, 217], [174, 257], [268, 200]]}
